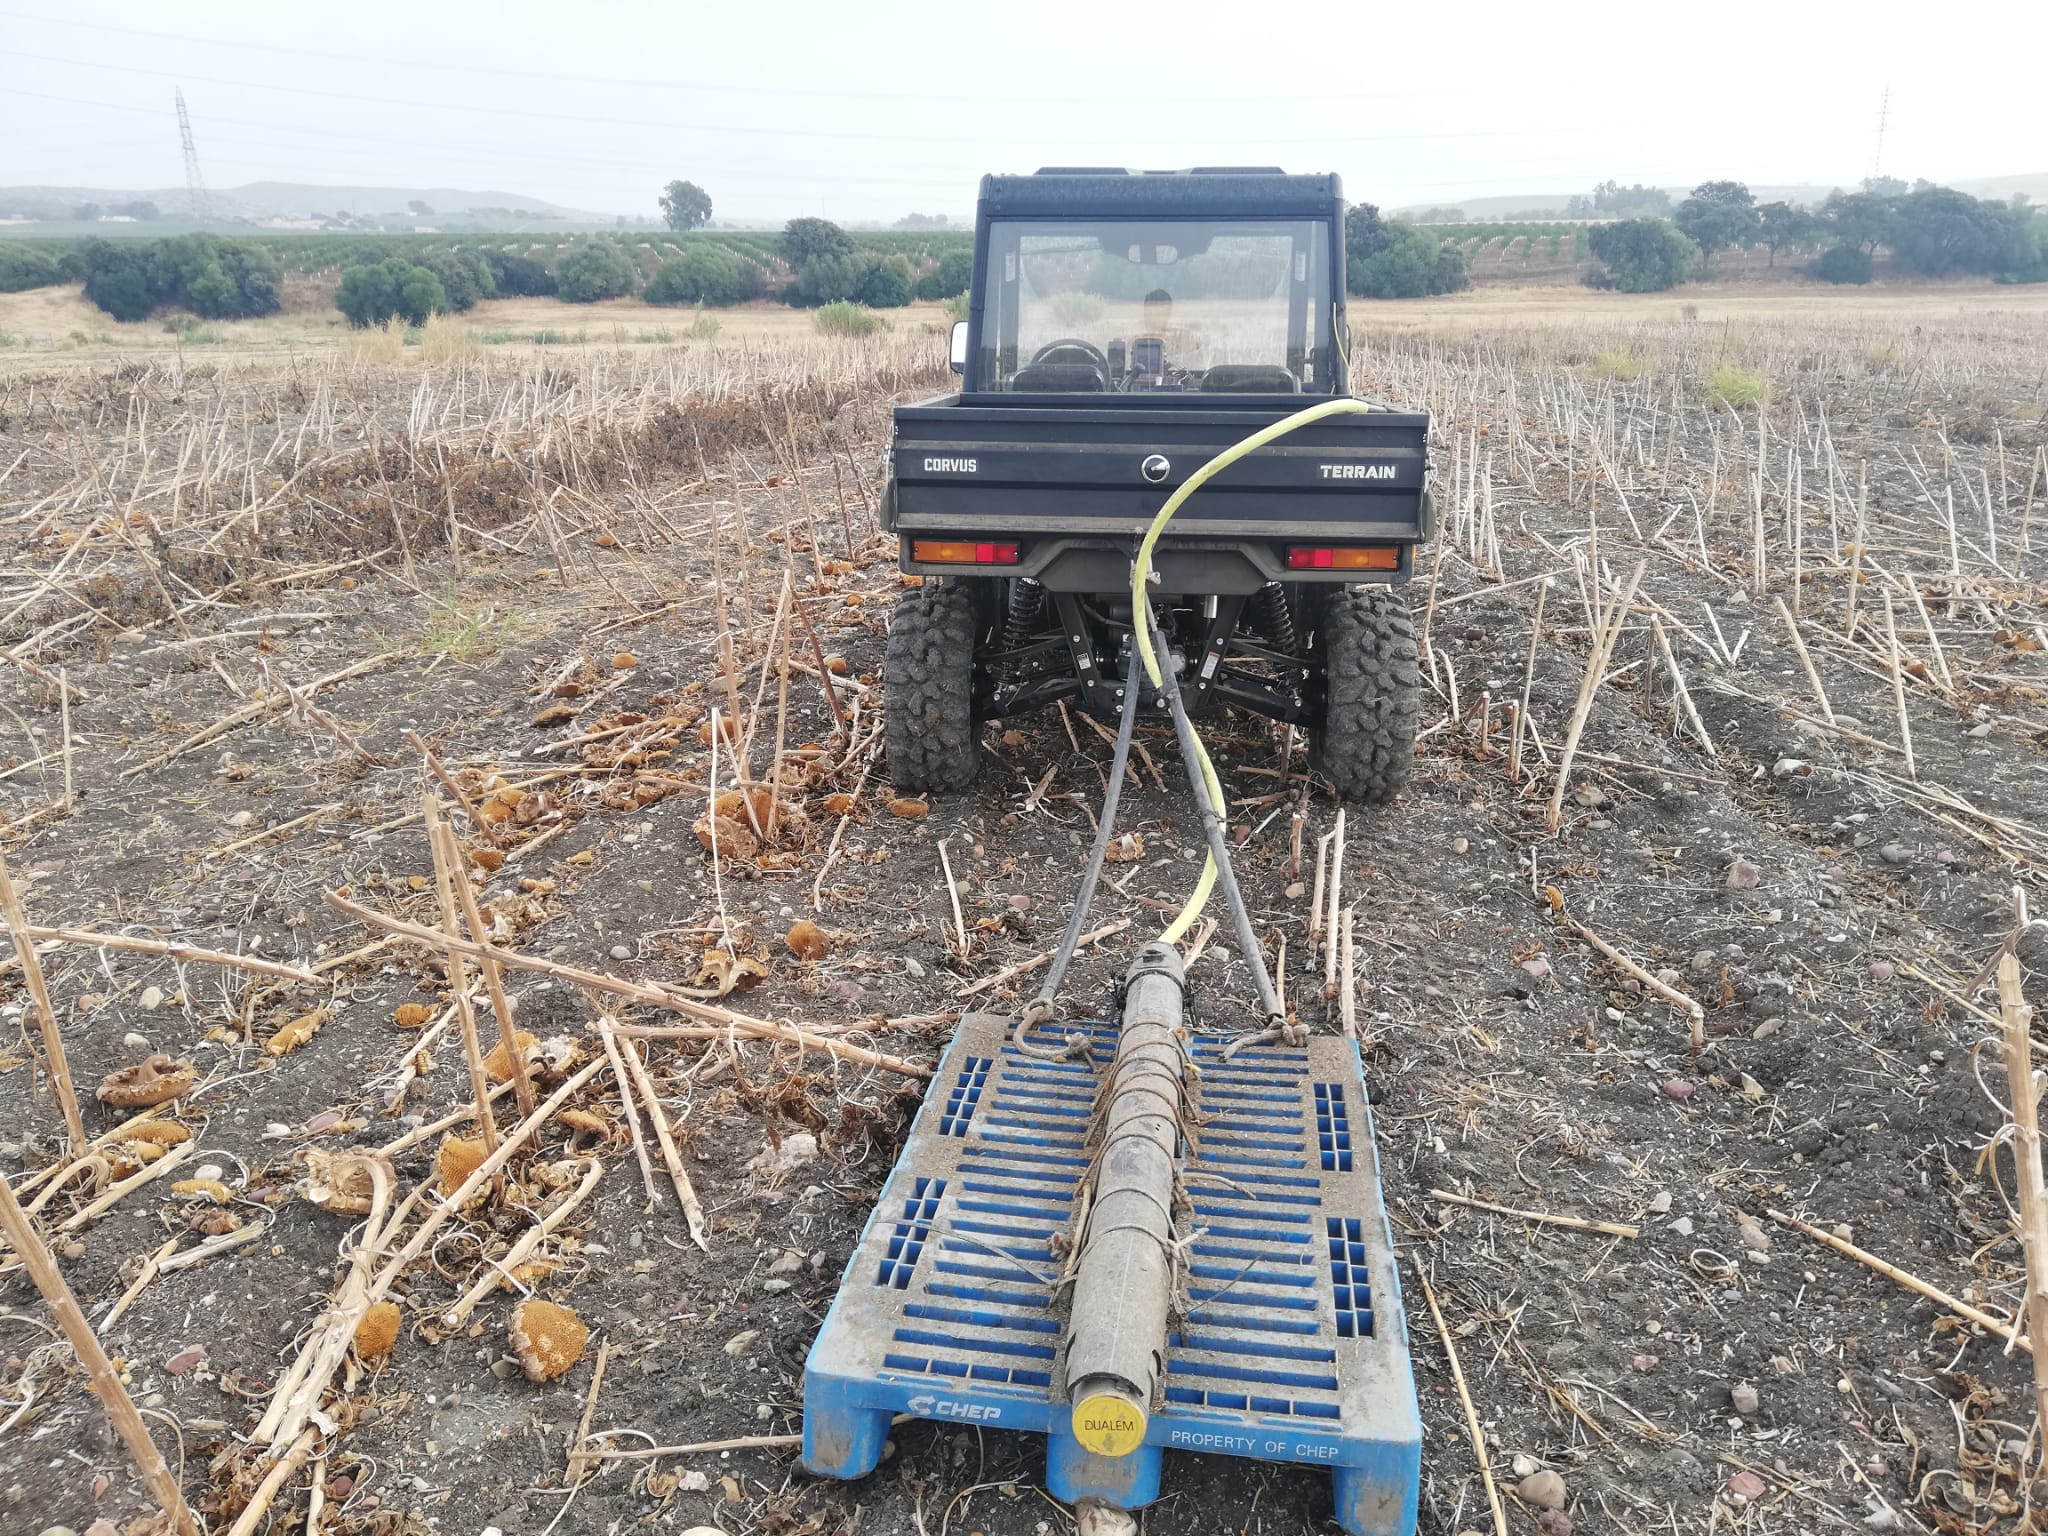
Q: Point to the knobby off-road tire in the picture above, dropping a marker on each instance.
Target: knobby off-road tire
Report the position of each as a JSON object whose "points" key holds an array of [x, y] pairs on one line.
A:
{"points": [[928, 703], [1372, 687]]}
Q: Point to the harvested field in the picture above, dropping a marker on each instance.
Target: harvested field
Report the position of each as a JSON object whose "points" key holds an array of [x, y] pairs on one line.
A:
{"points": [[252, 611]]}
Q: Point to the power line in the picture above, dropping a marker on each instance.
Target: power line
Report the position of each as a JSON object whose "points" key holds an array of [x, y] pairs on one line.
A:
{"points": [[443, 66]]}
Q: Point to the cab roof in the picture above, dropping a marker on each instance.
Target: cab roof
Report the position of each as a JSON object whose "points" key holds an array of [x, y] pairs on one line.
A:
{"points": [[1202, 192]]}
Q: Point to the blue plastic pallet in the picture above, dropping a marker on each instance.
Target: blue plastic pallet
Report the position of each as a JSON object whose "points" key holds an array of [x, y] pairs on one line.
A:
{"points": [[1295, 1345]]}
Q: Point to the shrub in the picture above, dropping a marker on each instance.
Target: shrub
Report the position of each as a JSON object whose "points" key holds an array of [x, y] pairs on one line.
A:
{"points": [[1365, 234], [827, 280], [518, 276], [1620, 365], [1642, 255], [393, 289], [220, 279], [118, 278], [887, 286], [23, 267], [952, 275], [804, 241], [1729, 384], [595, 270], [956, 307], [1843, 264], [465, 276], [1410, 264], [844, 319], [703, 274]]}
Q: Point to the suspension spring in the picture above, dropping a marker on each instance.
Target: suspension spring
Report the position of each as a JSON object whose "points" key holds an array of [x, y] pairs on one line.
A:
{"points": [[1027, 601], [1274, 616]]}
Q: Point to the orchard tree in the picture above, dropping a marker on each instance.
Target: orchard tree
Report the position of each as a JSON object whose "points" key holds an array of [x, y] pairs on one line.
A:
{"points": [[808, 240], [1863, 220], [685, 205], [1642, 255], [1718, 214], [1783, 225]]}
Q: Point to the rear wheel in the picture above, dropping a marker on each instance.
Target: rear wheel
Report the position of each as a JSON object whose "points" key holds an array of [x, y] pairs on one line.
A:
{"points": [[1366, 742], [928, 673]]}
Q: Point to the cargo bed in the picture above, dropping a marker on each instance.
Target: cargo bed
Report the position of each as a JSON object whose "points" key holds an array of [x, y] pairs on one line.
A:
{"points": [[1064, 467]]}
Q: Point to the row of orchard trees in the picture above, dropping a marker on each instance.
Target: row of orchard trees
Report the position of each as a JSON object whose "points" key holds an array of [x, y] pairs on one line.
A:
{"points": [[1929, 230]]}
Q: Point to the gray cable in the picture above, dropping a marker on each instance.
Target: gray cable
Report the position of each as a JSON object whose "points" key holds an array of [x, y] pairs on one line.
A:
{"points": [[1212, 826], [1041, 1008]]}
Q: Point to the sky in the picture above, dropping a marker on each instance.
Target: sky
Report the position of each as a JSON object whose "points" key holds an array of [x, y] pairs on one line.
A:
{"points": [[874, 110]]}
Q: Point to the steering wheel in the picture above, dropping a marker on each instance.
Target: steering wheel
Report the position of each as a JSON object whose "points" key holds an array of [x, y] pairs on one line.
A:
{"points": [[1088, 353]]}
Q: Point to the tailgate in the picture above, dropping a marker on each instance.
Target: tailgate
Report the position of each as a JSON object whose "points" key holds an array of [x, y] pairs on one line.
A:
{"points": [[961, 468]]}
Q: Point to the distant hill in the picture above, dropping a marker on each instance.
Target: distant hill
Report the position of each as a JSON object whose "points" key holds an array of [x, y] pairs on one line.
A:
{"points": [[297, 200], [2034, 184]]}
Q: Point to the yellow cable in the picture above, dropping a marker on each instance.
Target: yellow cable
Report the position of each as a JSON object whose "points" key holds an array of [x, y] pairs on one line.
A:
{"points": [[1141, 573]]}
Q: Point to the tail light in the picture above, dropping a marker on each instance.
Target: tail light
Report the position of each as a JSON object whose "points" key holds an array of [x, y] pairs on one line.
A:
{"points": [[1370, 557], [962, 552]]}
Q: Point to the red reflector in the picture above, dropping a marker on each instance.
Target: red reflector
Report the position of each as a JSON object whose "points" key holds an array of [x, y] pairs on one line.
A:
{"points": [[1378, 557], [961, 552]]}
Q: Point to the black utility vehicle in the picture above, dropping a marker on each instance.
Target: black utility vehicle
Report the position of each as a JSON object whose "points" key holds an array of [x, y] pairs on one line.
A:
{"points": [[1123, 328]]}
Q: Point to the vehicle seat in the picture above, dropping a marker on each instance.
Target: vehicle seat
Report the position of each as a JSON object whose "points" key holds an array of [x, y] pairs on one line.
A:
{"points": [[1250, 379], [1058, 379]]}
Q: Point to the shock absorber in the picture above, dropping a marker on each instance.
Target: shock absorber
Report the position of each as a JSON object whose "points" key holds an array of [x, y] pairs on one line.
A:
{"points": [[1020, 618], [1274, 616]]}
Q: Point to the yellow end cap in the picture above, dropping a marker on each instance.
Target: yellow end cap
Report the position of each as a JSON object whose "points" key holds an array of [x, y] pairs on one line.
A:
{"points": [[1108, 1426]]}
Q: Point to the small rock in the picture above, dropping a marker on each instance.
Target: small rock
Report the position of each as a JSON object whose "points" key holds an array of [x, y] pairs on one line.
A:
{"points": [[1882, 970], [1979, 731], [740, 1343], [1895, 853], [787, 1262], [1592, 796], [793, 1153], [621, 952], [1671, 976], [276, 1130], [1754, 1237], [1844, 1231], [763, 1412], [1743, 876], [1643, 1362], [57, 1530], [241, 821], [1678, 1088], [1537, 966], [1787, 767], [152, 997], [1295, 890], [775, 1287], [1883, 1518], [184, 1360], [1704, 961], [911, 968], [1554, 1522], [1541, 1490], [136, 1042], [208, 1171], [1660, 1202], [1221, 953], [1744, 1399], [1747, 1486], [1020, 902], [1768, 1028], [1460, 845], [1682, 1226]]}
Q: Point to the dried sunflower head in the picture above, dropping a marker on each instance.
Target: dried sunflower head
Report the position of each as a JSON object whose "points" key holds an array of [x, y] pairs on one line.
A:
{"points": [[378, 1331], [155, 1081], [546, 1339]]}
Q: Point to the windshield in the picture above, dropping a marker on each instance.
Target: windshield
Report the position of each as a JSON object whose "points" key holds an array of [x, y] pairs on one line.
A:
{"points": [[1214, 305]]}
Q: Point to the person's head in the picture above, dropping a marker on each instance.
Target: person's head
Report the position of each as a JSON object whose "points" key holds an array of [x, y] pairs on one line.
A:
{"points": [[1158, 309]]}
